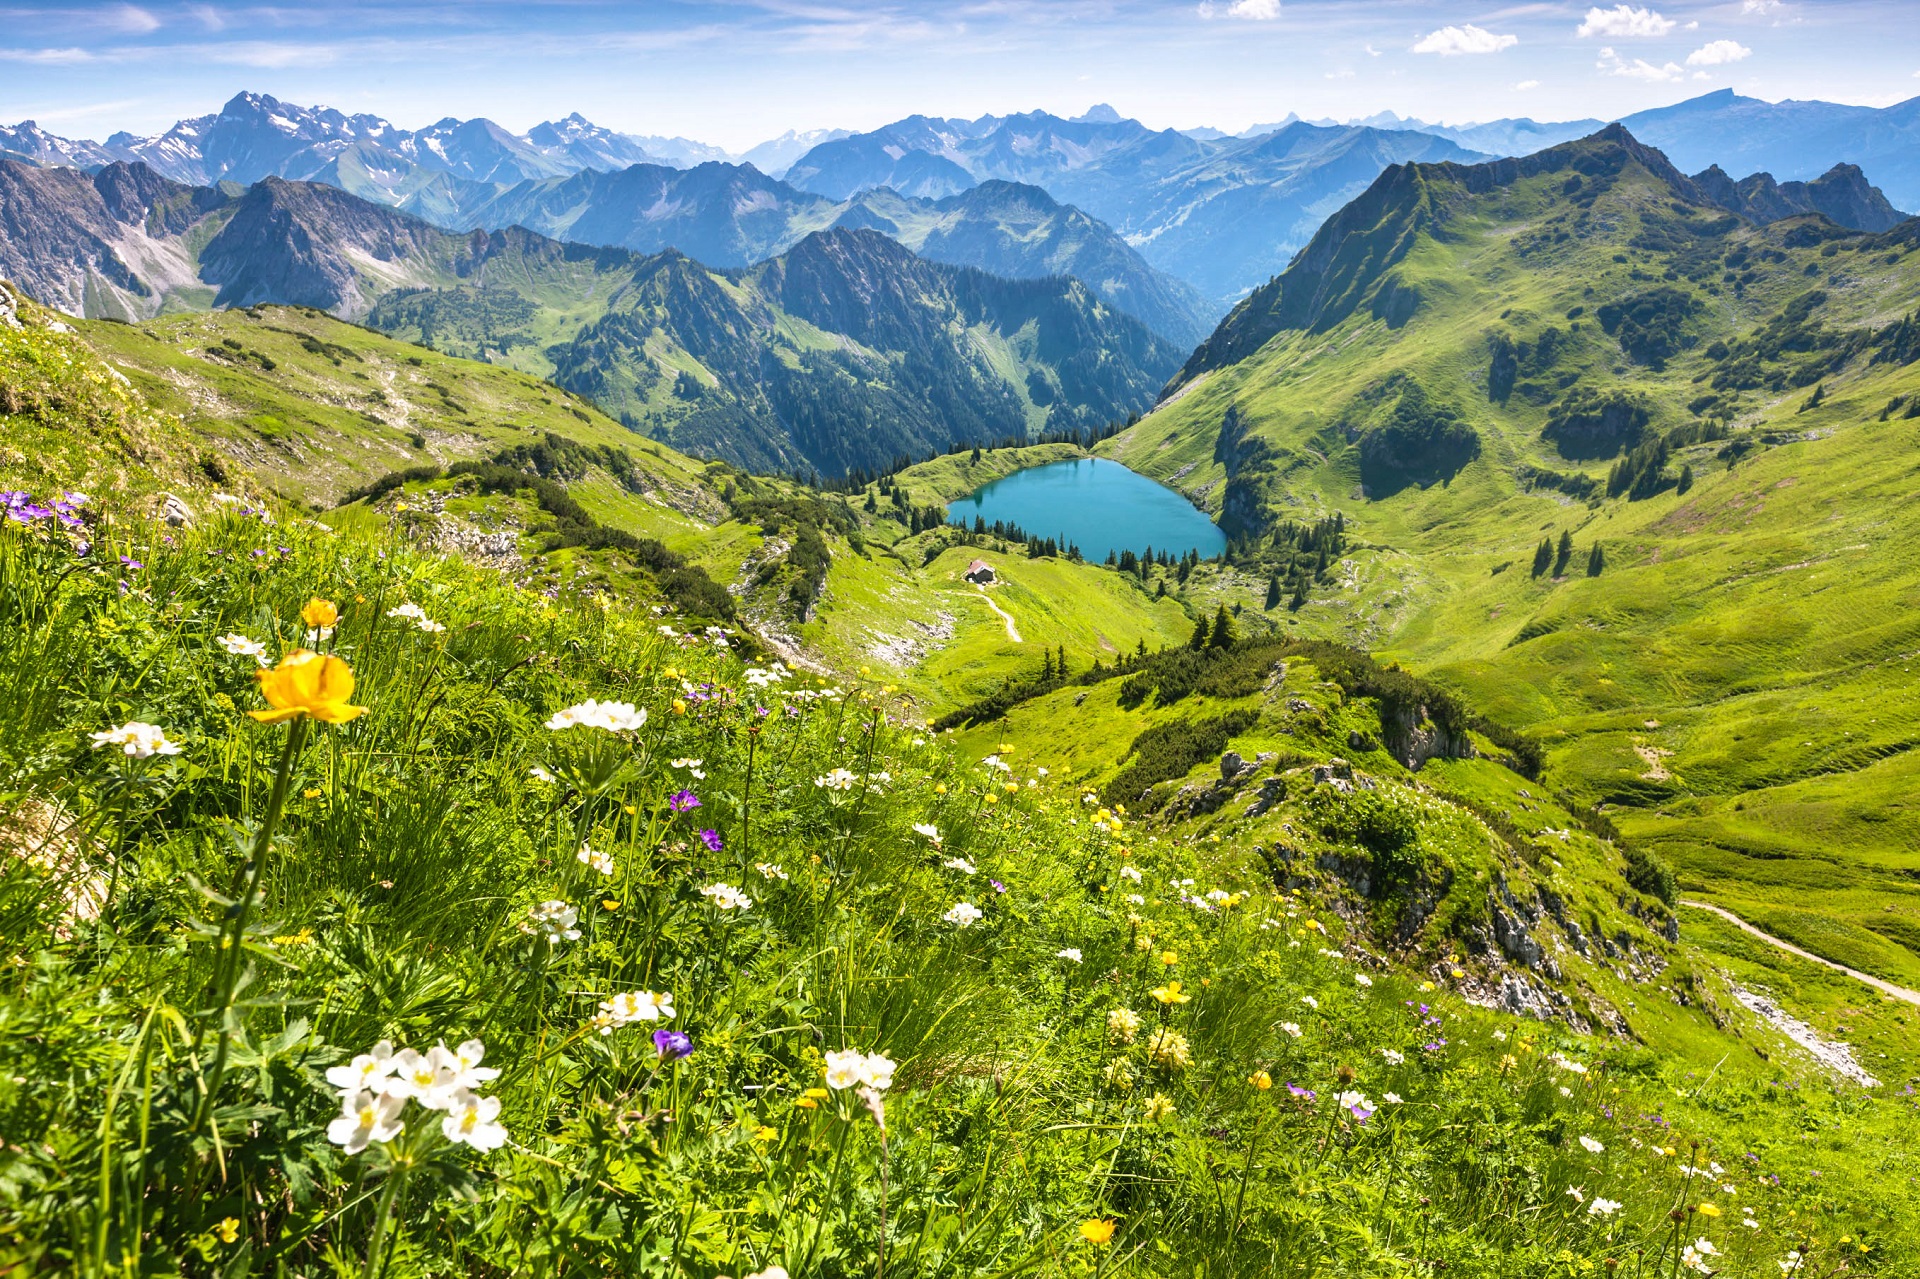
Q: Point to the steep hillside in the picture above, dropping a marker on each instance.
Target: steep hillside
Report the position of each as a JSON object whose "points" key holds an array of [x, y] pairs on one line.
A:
{"points": [[1619, 465], [847, 351]]}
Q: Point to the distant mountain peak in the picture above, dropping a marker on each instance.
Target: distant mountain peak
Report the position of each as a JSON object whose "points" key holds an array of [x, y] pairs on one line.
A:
{"points": [[1098, 113]]}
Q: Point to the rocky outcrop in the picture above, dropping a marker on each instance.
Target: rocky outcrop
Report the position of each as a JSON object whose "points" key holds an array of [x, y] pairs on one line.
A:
{"points": [[1842, 195]]}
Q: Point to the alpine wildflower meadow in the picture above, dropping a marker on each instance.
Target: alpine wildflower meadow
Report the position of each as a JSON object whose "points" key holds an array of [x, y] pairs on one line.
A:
{"points": [[367, 915]]}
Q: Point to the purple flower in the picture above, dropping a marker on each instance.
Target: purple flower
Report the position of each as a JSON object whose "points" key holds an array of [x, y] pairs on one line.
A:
{"points": [[1306, 1093], [132, 564], [1361, 1113], [682, 801], [998, 887], [711, 838], [671, 1045]]}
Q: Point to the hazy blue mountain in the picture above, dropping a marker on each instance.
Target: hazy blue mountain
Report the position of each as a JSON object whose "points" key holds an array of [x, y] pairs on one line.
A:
{"points": [[255, 135], [1228, 222], [720, 214], [28, 141], [588, 146], [1514, 135], [1223, 214], [773, 156], [734, 215], [1791, 140]]}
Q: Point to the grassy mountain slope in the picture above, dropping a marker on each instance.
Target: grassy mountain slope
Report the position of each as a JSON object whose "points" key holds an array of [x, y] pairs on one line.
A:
{"points": [[847, 351], [1463, 361], [400, 896]]}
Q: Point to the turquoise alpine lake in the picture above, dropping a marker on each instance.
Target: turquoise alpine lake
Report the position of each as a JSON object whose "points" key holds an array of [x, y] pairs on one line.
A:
{"points": [[1097, 505]]}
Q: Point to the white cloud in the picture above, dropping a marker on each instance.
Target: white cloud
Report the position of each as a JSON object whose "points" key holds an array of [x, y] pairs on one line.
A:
{"points": [[1718, 53], [1245, 10], [1623, 20], [1451, 41], [1374, 53], [1638, 69], [49, 57], [1525, 85], [132, 20], [1763, 8]]}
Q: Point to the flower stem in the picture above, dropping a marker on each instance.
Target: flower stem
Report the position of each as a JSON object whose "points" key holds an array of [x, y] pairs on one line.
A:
{"points": [[232, 938], [394, 1181]]}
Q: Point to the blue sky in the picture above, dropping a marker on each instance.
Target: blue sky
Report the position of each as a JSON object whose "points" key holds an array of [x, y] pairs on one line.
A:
{"points": [[734, 72]]}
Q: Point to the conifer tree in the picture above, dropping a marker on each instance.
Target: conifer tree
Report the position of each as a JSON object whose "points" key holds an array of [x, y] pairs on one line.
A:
{"points": [[1563, 553], [1596, 561], [1273, 591], [1542, 556], [1686, 479], [1199, 640], [1222, 628]]}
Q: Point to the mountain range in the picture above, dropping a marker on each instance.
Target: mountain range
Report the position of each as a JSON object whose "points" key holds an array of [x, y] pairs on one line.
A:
{"points": [[1219, 214], [845, 351]]}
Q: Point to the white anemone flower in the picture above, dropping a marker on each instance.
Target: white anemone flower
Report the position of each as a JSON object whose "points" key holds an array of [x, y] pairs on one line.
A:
{"points": [[366, 1117], [1603, 1207], [473, 1121], [639, 1005], [615, 717], [429, 1078], [465, 1061], [928, 829], [876, 1071], [1130, 873], [1393, 1058], [1071, 953], [960, 864], [365, 1071], [726, 897], [135, 739], [1291, 1028], [1591, 1146], [846, 1069], [770, 871], [691, 765], [594, 859], [838, 779], [540, 774], [554, 921], [963, 914], [240, 646]]}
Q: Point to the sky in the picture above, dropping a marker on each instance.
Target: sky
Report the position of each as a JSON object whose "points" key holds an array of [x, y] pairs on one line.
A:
{"points": [[736, 72]]}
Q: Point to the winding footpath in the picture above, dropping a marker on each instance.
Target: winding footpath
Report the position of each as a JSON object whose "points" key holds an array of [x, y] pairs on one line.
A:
{"points": [[1885, 987], [1012, 632]]}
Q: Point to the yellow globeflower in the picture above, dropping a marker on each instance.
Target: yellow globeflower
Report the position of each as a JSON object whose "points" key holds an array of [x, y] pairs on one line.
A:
{"points": [[1708, 1210], [305, 683], [1096, 1230], [1171, 994], [319, 613], [1260, 1079]]}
